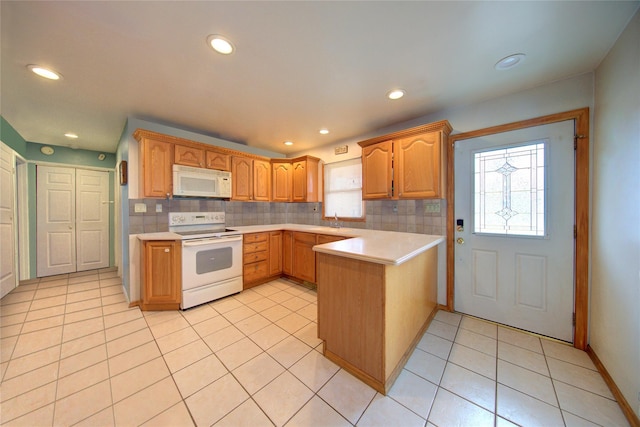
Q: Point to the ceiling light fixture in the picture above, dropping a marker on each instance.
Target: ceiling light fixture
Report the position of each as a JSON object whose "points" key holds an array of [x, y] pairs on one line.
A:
{"points": [[44, 72], [71, 135], [324, 131], [395, 94], [288, 143], [510, 61], [220, 44]]}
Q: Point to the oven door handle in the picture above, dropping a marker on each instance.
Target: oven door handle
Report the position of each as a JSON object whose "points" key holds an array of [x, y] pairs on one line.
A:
{"points": [[202, 242]]}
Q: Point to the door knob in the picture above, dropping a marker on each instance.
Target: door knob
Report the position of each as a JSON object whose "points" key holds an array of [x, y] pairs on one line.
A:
{"points": [[70, 228], [460, 240]]}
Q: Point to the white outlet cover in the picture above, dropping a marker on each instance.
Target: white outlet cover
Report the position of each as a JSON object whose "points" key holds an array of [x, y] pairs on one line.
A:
{"points": [[158, 207], [140, 208]]}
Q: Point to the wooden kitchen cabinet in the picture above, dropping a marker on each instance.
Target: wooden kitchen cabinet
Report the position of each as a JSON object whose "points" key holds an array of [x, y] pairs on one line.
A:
{"points": [[161, 288], [304, 258], [306, 185], [217, 160], [188, 156], [275, 253], [282, 180], [409, 164], [250, 179], [287, 252], [156, 159]]}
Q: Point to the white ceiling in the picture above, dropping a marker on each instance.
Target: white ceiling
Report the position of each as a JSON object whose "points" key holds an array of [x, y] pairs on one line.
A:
{"points": [[299, 66]]}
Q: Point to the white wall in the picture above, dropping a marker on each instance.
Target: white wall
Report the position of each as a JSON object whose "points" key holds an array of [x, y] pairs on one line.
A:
{"points": [[615, 253]]}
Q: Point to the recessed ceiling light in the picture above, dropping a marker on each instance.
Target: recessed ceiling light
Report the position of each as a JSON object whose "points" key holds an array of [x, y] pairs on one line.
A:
{"points": [[510, 61], [45, 72], [288, 143], [324, 131], [71, 135], [395, 94], [220, 44]]}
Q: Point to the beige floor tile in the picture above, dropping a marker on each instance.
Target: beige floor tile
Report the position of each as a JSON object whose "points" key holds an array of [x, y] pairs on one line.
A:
{"points": [[314, 370], [467, 384], [238, 353], [82, 360], [257, 372], [289, 351], [248, 296], [225, 304], [526, 381], [82, 379], [132, 358], [269, 336], [50, 292], [21, 365], [25, 403], [83, 305], [155, 317], [448, 317], [522, 357], [252, 324], [113, 299], [16, 297], [248, 414], [84, 278], [426, 365], [177, 339], [115, 307], [120, 345], [39, 417], [199, 314], [435, 345], [184, 356], [29, 381], [46, 323], [213, 402], [115, 319], [76, 330], [292, 323], [79, 316], [79, 345], [442, 330], [36, 341], [308, 334], [479, 327], [280, 297], [580, 377], [147, 403], [177, 415], [260, 304], [199, 375], [567, 353], [111, 290], [310, 296], [109, 281], [295, 303], [223, 338], [165, 328], [122, 330], [7, 345], [571, 420], [275, 313], [39, 304], [523, 409], [11, 309], [347, 395], [237, 314], [102, 418], [383, 411], [132, 381], [451, 410], [210, 326], [13, 319], [589, 406], [282, 398], [83, 404], [414, 392], [477, 342], [266, 289], [44, 313], [473, 360], [316, 412], [309, 311], [83, 286], [10, 331]]}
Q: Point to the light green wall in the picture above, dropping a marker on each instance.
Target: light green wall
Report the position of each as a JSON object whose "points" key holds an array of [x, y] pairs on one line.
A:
{"points": [[12, 138], [70, 156]]}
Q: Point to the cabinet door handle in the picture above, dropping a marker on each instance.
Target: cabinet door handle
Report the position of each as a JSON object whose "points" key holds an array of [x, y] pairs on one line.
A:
{"points": [[166, 250]]}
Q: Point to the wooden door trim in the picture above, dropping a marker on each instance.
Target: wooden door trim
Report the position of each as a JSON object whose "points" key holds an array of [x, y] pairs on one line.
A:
{"points": [[581, 257]]}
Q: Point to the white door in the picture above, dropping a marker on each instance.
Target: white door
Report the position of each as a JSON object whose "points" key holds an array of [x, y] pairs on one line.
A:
{"points": [[56, 220], [514, 213], [72, 220], [8, 277], [92, 219]]}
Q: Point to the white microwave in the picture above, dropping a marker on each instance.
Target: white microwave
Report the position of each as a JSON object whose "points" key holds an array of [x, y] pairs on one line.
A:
{"points": [[201, 182]]}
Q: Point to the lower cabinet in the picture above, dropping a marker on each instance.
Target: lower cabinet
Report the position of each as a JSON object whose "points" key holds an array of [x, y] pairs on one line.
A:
{"points": [[262, 259], [275, 253], [304, 258], [161, 275], [287, 253]]}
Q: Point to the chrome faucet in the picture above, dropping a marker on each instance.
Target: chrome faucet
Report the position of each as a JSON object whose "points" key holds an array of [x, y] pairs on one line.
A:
{"points": [[336, 224]]}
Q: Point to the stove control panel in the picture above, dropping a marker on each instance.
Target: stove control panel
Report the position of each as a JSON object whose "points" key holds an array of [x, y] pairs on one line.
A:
{"points": [[195, 218]]}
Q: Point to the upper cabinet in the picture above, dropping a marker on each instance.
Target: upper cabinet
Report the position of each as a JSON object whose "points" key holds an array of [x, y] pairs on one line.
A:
{"points": [[250, 179], [409, 164], [281, 178], [306, 186], [261, 180], [156, 158], [188, 156], [217, 160]]}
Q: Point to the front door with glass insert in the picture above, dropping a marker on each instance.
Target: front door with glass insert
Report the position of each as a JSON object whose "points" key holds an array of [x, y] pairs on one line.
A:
{"points": [[514, 213]]}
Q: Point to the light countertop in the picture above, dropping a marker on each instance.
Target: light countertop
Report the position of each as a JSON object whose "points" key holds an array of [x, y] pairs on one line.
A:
{"points": [[381, 247]]}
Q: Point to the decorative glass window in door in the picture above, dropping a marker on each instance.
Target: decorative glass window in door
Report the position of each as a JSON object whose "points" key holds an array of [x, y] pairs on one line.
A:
{"points": [[509, 190]]}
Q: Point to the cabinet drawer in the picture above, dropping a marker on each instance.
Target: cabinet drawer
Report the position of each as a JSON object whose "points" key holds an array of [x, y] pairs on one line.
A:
{"points": [[255, 237], [255, 271], [254, 257], [249, 248]]}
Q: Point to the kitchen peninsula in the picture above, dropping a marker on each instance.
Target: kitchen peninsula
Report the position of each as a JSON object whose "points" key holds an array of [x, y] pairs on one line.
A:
{"points": [[377, 293]]}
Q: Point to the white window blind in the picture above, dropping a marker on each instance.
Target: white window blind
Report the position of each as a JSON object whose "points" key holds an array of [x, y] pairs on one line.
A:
{"points": [[343, 189]]}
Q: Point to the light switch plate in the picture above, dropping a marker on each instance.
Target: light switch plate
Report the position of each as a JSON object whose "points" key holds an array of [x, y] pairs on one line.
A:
{"points": [[158, 207], [140, 208], [433, 207]]}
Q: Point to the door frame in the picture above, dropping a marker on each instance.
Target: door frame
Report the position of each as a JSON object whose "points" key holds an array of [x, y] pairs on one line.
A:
{"points": [[581, 256]]}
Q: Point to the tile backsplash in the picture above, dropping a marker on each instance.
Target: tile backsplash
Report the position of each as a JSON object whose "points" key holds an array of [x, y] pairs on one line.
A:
{"points": [[413, 216]]}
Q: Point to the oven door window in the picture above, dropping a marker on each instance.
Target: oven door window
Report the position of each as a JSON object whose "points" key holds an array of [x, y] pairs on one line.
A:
{"points": [[210, 260]]}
